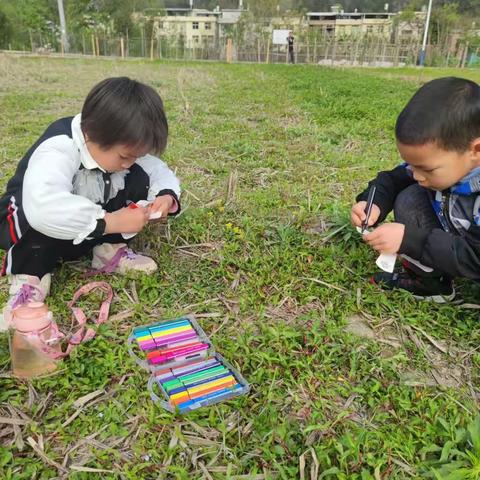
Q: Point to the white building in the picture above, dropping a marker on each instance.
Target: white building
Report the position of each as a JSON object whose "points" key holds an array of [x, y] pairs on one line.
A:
{"points": [[342, 24], [196, 27]]}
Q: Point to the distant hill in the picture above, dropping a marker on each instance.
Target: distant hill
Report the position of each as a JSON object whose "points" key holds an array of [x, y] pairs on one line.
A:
{"points": [[465, 6], [378, 5]]}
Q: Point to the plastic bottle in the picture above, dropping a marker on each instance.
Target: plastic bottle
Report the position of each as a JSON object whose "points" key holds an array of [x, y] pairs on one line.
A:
{"points": [[33, 339]]}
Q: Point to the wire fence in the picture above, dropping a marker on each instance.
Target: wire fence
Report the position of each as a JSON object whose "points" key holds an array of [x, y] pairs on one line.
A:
{"points": [[357, 52]]}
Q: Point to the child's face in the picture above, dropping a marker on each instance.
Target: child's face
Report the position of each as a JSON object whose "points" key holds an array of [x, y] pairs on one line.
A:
{"points": [[116, 158], [436, 168]]}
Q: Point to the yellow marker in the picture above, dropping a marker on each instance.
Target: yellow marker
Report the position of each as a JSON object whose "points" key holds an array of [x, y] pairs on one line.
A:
{"points": [[179, 398], [164, 332], [206, 386], [172, 331], [144, 339]]}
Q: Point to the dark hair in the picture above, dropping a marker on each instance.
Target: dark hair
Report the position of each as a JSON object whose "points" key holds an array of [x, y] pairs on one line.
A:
{"points": [[445, 111], [123, 111]]}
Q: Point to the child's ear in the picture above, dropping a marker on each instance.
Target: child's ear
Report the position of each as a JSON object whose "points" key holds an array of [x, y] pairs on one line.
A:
{"points": [[475, 148]]}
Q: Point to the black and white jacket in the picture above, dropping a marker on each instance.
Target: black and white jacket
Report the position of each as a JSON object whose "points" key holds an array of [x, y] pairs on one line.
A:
{"points": [[58, 189], [454, 247]]}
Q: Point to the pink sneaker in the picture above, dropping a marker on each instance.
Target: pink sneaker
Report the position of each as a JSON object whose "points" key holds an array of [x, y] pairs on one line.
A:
{"points": [[24, 289], [118, 258]]}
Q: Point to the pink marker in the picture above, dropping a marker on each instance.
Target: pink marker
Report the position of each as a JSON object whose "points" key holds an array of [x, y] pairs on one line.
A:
{"points": [[183, 352], [158, 359], [186, 351], [190, 356]]}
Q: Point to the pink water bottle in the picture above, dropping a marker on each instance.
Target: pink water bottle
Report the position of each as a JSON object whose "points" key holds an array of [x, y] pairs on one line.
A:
{"points": [[34, 342]]}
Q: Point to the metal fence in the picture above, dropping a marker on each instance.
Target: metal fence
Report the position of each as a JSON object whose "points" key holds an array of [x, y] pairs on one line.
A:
{"points": [[360, 52]]}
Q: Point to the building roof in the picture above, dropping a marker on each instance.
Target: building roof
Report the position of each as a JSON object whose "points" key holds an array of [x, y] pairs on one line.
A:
{"points": [[199, 4], [195, 12], [177, 4], [348, 14]]}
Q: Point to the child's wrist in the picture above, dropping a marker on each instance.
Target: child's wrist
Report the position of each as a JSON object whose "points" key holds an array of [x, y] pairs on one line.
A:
{"points": [[173, 204], [111, 224]]}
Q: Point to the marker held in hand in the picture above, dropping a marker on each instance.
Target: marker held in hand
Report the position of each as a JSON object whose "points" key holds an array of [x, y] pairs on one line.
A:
{"points": [[368, 208]]}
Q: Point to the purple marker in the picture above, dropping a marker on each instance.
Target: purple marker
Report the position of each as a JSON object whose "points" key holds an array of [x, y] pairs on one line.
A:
{"points": [[173, 335], [147, 345], [188, 341], [169, 339]]}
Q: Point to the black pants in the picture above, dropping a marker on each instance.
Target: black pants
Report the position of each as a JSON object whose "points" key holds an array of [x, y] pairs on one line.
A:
{"points": [[291, 55], [37, 254], [413, 206]]}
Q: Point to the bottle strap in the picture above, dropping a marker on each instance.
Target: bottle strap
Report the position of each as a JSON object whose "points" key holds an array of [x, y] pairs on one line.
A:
{"points": [[83, 334]]}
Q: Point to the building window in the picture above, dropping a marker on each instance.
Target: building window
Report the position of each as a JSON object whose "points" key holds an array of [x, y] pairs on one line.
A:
{"points": [[195, 25], [208, 26], [369, 28], [196, 39]]}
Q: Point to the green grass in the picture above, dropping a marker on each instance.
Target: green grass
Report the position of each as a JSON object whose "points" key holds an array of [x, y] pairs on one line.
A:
{"points": [[295, 143]]}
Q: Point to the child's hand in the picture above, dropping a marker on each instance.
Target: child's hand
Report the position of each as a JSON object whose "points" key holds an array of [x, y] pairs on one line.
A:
{"points": [[162, 204], [387, 238], [126, 220], [358, 214]]}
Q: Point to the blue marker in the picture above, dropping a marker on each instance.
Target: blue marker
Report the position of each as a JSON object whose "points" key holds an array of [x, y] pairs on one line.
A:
{"points": [[167, 324], [160, 328], [141, 332]]}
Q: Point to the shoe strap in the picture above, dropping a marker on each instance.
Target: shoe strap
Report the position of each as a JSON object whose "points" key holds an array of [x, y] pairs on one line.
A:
{"points": [[130, 254], [110, 265]]}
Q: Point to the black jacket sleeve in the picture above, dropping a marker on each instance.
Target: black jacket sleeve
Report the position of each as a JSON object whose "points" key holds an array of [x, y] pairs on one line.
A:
{"points": [[389, 184], [448, 253], [167, 191]]}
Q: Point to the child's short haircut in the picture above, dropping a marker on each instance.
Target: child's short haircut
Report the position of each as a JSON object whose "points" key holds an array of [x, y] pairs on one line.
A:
{"points": [[121, 111], [445, 111]]}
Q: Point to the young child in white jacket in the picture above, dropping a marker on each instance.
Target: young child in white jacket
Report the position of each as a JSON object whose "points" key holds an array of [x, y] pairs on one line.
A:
{"points": [[73, 191]]}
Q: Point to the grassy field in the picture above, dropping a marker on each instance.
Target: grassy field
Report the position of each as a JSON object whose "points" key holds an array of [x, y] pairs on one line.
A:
{"points": [[347, 382]]}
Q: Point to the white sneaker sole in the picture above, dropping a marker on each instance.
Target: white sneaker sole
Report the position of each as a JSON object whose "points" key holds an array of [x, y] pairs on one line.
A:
{"points": [[437, 298], [98, 264]]}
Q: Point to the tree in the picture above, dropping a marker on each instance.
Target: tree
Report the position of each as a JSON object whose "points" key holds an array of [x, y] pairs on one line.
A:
{"points": [[263, 8], [29, 14], [20, 18], [444, 19], [6, 29]]}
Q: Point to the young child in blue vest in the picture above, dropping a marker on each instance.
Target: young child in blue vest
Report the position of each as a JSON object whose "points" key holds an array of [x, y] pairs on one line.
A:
{"points": [[72, 192], [435, 194]]}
